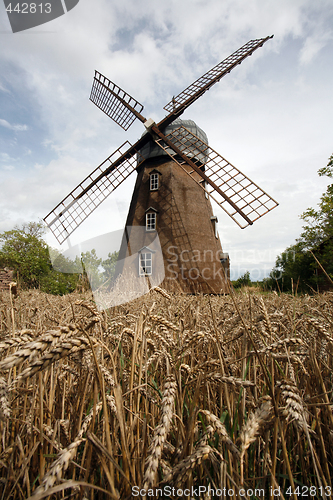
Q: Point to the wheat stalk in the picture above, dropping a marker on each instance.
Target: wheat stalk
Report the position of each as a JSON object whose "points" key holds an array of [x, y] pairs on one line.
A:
{"points": [[160, 432], [65, 456]]}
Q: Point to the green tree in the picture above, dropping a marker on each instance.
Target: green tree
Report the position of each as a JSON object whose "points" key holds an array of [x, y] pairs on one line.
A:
{"points": [[63, 276], [318, 231], [109, 266], [24, 250], [294, 268], [92, 268], [97, 270], [243, 280], [319, 223], [296, 264]]}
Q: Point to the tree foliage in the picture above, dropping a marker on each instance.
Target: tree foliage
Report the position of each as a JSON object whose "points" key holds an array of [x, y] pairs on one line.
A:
{"points": [[243, 280], [319, 223], [296, 266], [96, 270], [109, 266], [24, 250]]}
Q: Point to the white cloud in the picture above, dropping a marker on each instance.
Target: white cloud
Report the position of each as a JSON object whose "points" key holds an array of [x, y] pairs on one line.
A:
{"points": [[313, 45], [16, 128], [3, 89]]}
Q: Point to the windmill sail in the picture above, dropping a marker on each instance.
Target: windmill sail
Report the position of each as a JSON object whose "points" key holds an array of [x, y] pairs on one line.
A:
{"points": [[243, 200], [179, 103], [115, 102], [88, 195]]}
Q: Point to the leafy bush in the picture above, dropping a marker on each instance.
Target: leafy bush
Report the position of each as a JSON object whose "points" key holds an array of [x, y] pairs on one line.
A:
{"points": [[243, 280]]}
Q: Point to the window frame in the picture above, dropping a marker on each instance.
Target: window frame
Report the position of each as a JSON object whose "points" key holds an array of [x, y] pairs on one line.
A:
{"points": [[145, 263], [151, 216], [214, 221], [154, 181]]}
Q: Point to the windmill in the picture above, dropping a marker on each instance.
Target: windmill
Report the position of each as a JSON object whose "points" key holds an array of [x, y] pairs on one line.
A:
{"points": [[177, 175]]}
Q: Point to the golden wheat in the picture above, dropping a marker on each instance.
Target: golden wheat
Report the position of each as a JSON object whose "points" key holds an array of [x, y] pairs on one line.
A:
{"points": [[168, 389]]}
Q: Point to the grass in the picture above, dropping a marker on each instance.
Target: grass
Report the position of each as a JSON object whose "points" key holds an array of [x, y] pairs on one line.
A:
{"points": [[218, 391]]}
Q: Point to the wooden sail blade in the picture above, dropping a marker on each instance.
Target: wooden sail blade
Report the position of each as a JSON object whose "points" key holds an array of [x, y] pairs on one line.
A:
{"points": [[115, 102], [88, 195], [243, 200], [179, 103]]}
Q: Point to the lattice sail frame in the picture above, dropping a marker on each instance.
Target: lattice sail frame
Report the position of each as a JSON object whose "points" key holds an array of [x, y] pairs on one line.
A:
{"points": [[244, 193], [85, 198], [197, 88], [108, 97]]}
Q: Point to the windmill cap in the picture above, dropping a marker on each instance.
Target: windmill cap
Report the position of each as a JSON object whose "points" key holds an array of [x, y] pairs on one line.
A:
{"points": [[152, 150]]}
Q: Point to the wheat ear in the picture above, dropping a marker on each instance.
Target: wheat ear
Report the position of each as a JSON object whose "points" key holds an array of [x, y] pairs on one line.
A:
{"points": [[294, 408], [255, 422], [267, 321], [202, 451], [217, 425], [161, 291], [66, 348], [252, 428], [22, 338], [4, 400], [160, 432], [35, 348]]}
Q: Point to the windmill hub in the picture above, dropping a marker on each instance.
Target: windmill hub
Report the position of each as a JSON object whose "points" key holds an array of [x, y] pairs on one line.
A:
{"points": [[149, 123], [153, 150]]}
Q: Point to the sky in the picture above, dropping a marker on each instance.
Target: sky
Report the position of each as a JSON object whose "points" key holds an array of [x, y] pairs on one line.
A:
{"points": [[271, 116]]}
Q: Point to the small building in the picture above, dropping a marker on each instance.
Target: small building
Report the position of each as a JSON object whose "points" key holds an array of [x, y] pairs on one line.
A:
{"points": [[6, 277]]}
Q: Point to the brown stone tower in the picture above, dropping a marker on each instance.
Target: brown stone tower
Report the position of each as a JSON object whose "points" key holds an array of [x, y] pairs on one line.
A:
{"points": [[168, 203]]}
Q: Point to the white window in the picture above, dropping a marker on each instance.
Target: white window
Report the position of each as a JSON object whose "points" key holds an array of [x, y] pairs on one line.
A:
{"points": [[214, 222], [153, 182], [145, 264], [151, 221]]}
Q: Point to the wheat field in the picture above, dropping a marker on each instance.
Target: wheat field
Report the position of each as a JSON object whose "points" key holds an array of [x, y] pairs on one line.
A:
{"points": [[231, 393]]}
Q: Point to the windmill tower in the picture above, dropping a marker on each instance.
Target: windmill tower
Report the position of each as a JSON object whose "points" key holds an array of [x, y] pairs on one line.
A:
{"points": [[177, 173], [166, 201]]}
